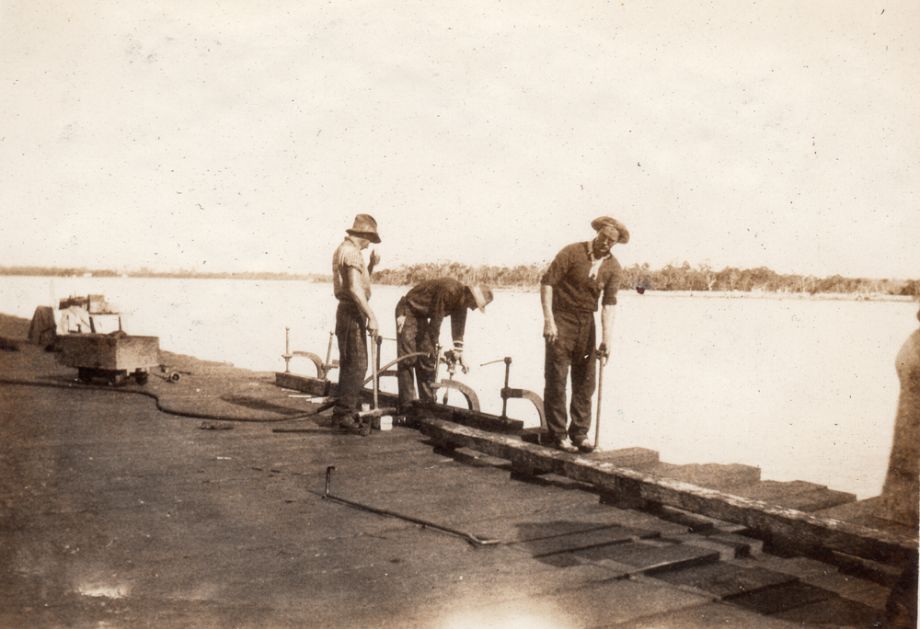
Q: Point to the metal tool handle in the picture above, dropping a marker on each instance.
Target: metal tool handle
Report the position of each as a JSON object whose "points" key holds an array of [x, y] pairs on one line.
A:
{"points": [[329, 470], [476, 540], [396, 361], [600, 399], [329, 349], [376, 377]]}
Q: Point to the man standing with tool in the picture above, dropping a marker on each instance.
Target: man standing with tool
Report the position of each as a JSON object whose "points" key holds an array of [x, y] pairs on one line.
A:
{"points": [[418, 327], [569, 291], [354, 319]]}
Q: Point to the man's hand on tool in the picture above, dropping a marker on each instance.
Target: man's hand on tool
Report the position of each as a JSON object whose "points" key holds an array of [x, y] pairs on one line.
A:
{"points": [[454, 357], [458, 355], [400, 322], [372, 327], [374, 261], [550, 331], [603, 354]]}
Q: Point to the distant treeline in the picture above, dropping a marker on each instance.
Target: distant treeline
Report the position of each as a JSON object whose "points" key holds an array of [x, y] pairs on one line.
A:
{"points": [[679, 278], [669, 278], [181, 274]]}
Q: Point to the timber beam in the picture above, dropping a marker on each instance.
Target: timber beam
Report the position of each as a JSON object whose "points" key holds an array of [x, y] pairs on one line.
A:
{"points": [[798, 528]]}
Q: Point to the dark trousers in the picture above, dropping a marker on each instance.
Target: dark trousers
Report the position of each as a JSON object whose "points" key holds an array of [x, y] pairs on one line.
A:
{"points": [[417, 335], [351, 334], [573, 348]]}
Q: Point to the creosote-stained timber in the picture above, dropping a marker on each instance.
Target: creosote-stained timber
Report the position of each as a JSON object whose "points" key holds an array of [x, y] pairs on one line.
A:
{"points": [[797, 527]]}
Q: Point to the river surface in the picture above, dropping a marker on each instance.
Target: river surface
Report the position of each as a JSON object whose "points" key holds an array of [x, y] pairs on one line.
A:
{"points": [[804, 388]]}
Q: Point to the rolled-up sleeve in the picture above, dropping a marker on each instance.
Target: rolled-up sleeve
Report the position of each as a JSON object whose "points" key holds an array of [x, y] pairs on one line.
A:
{"points": [[353, 259]]}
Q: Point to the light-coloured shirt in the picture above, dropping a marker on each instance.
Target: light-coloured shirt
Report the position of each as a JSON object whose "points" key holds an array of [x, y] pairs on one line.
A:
{"points": [[348, 255]]}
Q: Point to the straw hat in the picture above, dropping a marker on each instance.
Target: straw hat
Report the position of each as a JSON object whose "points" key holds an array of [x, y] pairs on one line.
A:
{"points": [[612, 228]]}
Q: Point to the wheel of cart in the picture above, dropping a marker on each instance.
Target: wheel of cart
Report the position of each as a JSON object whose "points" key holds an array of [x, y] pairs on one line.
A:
{"points": [[111, 377], [170, 374], [85, 374]]}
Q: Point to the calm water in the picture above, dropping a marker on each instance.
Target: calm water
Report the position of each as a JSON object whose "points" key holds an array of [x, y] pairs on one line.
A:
{"points": [[806, 389]]}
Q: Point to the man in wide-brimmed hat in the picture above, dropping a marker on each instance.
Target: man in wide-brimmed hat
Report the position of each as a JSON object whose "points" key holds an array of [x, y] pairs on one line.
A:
{"points": [[354, 318], [418, 326], [569, 292]]}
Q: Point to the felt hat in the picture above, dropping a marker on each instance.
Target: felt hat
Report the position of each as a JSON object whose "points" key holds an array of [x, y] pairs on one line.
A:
{"points": [[482, 294], [366, 227]]}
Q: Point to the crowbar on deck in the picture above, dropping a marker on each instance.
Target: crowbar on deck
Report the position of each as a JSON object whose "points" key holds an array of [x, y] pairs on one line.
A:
{"points": [[475, 540]]}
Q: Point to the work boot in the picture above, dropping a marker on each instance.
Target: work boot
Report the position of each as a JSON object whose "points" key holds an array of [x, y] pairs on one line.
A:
{"points": [[564, 445], [406, 414], [349, 424], [583, 445]]}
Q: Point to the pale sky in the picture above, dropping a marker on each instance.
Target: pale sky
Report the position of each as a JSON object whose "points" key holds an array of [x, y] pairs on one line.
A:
{"points": [[239, 136]]}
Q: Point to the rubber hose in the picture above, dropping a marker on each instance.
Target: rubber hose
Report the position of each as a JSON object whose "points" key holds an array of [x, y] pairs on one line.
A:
{"points": [[156, 398]]}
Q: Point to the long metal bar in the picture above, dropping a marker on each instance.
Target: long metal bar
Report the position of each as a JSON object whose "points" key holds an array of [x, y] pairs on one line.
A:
{"points": [[287, 350], [393, 362], [379, 342], [329, 350], [375, 362], [507, 377], [600, 400], [470, 537]]}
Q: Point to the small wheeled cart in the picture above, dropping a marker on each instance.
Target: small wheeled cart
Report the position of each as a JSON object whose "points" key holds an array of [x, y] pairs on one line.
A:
{"points": [[113, 358]]}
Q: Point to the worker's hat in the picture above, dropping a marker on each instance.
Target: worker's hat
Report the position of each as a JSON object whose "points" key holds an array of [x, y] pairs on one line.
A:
{"points": [[612, 228], [482, 294], [365, 227]]}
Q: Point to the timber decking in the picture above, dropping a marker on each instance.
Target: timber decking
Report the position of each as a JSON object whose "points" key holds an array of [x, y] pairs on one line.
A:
{"points": [[115, 514], [774, 520]]}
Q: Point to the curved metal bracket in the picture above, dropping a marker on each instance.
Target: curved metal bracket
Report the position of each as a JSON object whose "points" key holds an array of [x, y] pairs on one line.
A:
{"points": [[322, 369], [533, 398], [472, 400]]}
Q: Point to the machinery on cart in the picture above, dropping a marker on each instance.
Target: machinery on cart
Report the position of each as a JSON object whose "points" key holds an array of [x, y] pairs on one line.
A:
{"points": [[114, 358]]}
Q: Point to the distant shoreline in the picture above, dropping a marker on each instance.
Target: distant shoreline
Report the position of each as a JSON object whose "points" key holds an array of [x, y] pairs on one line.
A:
{"points": [[698, 279], [648, 292]]}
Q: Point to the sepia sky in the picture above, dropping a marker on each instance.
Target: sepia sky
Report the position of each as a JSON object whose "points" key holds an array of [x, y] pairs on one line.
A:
{"points": [[235, 136]]}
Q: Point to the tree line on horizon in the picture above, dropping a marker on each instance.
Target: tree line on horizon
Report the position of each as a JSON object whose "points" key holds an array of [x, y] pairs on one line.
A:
{"points": [[700, 278], [42, 271]]}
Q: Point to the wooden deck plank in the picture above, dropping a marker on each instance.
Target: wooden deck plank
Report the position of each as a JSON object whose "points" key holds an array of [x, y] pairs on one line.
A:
{"points": [[725, 580], [712, 475], [600, 605], [783, 597], [646, 557], [768, 490], [715, 614], [816, 500], [728, 547], [582, 517], [581, 540], [829, 611]]}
